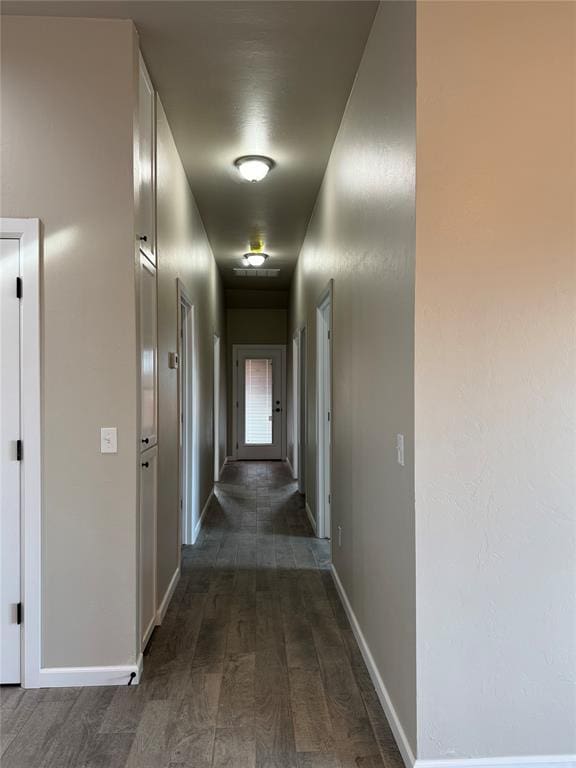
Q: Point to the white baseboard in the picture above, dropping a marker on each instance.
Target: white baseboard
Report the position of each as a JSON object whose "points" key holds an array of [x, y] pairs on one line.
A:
{"points": [[222, 467], [73, 677], [198, 525], [385, 701], [526, 761], [163, 607], [311, 518]]}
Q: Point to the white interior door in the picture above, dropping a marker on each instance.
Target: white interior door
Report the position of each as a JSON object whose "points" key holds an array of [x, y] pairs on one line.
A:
{"points": [[146, 211], [148, 501], [189, 469], [10, 465], [324, 415], [260, 397], [148, 353]]}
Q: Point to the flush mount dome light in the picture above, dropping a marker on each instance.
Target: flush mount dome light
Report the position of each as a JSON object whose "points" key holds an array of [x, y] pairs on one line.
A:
{"points": [[255, 259], [254, 167]]}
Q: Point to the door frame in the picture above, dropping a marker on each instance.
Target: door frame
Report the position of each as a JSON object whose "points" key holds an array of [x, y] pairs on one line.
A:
{"points": [[216, 407], [303, 408], [188, 517], [236, 348], [296, 395], [324, 426], [27, 231]]}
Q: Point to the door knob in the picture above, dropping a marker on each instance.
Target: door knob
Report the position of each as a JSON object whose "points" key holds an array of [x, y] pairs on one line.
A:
{"points": [[145, 464], [278, 410]]}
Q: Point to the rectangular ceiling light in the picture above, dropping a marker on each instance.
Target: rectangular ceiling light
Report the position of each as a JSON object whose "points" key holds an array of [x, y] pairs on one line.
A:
{"points": [[254, 272]]}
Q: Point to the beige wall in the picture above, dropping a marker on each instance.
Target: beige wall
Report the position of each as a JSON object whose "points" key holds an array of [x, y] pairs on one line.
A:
{"points": [[252, 326], [183, 253], [495, 373], [67, 116], [362, 235]]}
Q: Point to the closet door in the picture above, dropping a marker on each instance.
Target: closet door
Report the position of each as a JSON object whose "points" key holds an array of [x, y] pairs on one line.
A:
{"points": [[148, 501], [146, 171], [148, 354]]}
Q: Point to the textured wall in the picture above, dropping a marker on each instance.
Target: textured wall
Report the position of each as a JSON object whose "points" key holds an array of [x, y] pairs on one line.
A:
{"points": [[495, 373], [67, 159], [362, 235], [183, 253]]}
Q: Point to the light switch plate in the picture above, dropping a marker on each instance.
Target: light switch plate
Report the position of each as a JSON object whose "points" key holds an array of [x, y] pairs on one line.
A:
{"points": [[108, 440], [400, 449]]}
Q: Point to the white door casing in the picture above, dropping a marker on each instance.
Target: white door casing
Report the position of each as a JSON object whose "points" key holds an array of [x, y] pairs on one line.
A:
{"points": [[10, 461], [324, 412], [268, 361], [188, 421], [25, 564]]}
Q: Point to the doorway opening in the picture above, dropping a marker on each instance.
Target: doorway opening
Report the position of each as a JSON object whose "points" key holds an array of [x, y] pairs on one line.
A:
{"points": [[259, 394], [187, 397], [324, 410], [20, 453]]}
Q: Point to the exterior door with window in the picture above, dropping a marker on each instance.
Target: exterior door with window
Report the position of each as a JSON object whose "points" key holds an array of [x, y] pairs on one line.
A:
{"points": [[260, 399]]}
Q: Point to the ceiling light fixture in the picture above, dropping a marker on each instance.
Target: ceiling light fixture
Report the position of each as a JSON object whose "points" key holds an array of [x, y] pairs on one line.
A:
{"points": [[253, 167], [255, 259]]}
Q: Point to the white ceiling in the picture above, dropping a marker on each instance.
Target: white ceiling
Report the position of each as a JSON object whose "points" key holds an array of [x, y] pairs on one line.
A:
{"points": [[268, 77]]}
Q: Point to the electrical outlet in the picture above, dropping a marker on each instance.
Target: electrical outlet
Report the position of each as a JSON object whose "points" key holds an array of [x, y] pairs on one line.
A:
{"points": [[339, 535], [108, 440], [400, 449]]}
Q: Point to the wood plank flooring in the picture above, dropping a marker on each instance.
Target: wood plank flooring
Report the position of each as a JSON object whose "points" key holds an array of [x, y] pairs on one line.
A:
{"points": [[255, 665]]}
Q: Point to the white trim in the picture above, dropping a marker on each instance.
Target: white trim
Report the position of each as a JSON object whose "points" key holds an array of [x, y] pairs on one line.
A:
{"points": [[525, 761], [383, 695], [28, 232], [324, 398], [216, 407], [64, 677], [163, 607], [188, 527], [202, 515], [311, 518], [291, 468]]}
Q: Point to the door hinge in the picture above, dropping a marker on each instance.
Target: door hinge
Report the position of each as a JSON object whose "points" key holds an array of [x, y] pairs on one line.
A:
{"points": [[19, 287], [328, 334], [329, 499], [328, 415], [237, 406], [19, 613], [236, 446], [18, 450]]}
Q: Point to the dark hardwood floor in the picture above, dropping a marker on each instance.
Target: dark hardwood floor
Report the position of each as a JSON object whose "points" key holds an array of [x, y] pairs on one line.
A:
{"points": [[255, 665]]}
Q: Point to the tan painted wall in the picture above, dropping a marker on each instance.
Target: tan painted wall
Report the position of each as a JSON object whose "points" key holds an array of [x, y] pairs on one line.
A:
{"points": [[183, 253], [66, 156], [495, 374], [362, 235], [251, 326]]}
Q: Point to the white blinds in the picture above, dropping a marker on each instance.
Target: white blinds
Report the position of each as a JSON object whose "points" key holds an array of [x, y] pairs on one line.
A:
{"points": [[258, 402]]}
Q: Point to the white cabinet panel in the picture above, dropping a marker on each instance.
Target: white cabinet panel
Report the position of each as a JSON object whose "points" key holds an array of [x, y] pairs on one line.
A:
{"points": [[146, 171], [148, 502], [148, 353]]}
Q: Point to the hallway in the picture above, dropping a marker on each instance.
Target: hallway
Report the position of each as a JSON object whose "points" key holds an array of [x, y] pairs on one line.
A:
{"points": [[255, 665]]}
